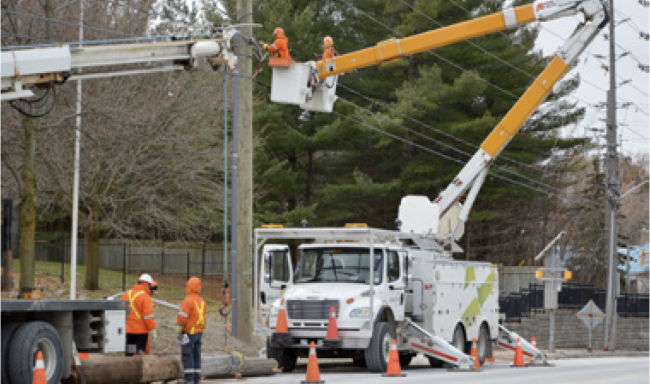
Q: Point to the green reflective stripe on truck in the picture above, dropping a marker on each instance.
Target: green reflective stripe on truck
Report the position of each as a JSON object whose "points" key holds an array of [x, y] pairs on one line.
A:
{"points": [[472, 310], [470, 276], [486, 288]]}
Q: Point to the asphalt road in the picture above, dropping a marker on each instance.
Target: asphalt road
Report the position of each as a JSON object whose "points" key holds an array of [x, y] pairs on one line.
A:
{"points": [[628, 370]]}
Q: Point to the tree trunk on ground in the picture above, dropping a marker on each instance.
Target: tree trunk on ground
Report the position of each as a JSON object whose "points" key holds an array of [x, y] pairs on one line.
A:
{"points": [[27, 242], [92, 235]]}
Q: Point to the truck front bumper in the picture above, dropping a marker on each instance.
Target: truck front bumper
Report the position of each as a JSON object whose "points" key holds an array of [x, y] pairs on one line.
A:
{"points": [[300, 338]]}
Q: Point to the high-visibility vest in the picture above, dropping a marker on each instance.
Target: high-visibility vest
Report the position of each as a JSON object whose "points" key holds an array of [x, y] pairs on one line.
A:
{"points": [[132, 300], [201, 320]]}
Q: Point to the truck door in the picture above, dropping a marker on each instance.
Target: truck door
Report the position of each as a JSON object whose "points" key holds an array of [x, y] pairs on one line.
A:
{"points": [[275, 275], [396, 283]]}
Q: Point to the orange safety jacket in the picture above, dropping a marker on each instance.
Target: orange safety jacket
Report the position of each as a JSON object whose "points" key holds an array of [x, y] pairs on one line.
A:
{"points": [[193, 309], [280, 47], [140, 318], [329, 52]]}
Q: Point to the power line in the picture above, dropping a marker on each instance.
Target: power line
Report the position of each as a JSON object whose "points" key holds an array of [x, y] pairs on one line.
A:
{"points": [[65, 23], [426, 149], [445, 145]]}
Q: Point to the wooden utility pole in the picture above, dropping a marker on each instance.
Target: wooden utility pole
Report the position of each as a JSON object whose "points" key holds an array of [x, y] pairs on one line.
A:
{"points": [[243, 319], [612, 195]]}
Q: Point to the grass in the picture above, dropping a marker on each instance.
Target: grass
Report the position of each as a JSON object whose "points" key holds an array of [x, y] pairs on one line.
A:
{"points": [[48, 276]]}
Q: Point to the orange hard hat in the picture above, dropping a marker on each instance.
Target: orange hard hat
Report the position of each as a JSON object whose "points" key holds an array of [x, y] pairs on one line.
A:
{"points": [[328, 41], [278, 31]]}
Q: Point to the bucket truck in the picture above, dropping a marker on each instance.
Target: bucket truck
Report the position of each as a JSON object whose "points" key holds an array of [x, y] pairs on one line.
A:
{"points": [[401, 284]]}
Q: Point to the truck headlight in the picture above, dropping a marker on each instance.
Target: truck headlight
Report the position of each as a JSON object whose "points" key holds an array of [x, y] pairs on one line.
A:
{"points": [[363, 312]]}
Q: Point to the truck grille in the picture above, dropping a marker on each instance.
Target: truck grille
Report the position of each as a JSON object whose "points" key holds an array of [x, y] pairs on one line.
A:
{"points": [[311, 309]]}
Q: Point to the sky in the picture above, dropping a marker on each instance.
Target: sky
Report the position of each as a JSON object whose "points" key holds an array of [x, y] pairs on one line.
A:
{"points": [[633, 121]]}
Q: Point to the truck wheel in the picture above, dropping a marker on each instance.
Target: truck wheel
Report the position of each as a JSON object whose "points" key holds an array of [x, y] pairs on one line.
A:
{"points": [[359, 361], [458, 340], [483, 344], [405, 360], [8, 331], [27, 341], [377, 351]]}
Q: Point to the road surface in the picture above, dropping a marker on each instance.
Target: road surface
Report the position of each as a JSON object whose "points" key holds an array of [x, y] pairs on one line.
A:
{"points": [[628, 370]]}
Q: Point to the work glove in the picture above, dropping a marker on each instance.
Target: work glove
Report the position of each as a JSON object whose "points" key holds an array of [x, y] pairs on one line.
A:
{"points": [[264, 46], [153, 334]]}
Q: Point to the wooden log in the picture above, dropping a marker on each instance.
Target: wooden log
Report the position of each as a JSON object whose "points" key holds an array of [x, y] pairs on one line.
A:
{"points": [[102, 369], [106, 369]]}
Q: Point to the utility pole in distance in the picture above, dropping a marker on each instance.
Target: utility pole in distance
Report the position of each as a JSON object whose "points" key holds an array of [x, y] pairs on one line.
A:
{"points": [[612, 195], [243, 328]]}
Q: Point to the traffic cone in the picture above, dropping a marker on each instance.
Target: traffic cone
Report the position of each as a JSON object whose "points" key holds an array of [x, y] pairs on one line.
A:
{"points": [[394, 369], [532, 359], [39, 370], [281, 326], [332, 329], [474, 354], [519, 356], [312, 376]]}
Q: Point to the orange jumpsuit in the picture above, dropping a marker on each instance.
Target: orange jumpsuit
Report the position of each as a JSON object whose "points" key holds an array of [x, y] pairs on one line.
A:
{"points": [[140, 319], [280, 47], [193, 309]]}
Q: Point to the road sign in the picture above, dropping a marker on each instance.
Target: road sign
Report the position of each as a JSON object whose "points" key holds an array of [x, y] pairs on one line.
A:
{"points": [[592, 316]]}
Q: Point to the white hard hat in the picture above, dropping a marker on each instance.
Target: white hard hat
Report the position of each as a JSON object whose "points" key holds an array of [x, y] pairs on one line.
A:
{"points": [[146, 278]]}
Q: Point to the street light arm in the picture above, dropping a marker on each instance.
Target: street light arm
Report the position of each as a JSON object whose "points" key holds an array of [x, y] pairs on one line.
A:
{"points": [[549, 245], [633, 188]]}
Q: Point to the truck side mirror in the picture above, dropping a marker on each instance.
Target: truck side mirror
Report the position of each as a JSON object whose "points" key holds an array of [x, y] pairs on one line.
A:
{"points": [[268, 268]]}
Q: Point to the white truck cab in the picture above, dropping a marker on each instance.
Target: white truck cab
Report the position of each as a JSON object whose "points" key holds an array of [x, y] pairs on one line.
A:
{"points": [[412, 290]]}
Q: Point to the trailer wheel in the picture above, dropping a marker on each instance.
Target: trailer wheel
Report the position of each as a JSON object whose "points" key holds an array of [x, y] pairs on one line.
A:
{"points": [[379, 348], [27, 341], [483, 344], [405, 359], [8, 331]]}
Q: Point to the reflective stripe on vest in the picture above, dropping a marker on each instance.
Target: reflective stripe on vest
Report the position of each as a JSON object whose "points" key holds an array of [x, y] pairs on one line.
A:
{"points": [[131, 300], [201, 320]]}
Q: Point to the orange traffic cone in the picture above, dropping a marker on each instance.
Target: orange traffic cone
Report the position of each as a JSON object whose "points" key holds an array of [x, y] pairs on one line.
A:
{"points": [[39, 370], [332, 329], [394, 369], [474, 354], [519, 356], [312, 376], [281, 326], [532, 359]]}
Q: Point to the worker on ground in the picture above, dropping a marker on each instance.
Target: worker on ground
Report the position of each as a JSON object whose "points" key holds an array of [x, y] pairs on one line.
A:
{"points": [[140, 321], [280, 46], [329, 52], [190, 323]]}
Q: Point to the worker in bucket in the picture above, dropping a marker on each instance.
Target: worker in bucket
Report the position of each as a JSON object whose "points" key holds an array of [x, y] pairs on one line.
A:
{"points": [[140, 320], [329, 52], [280, 46], [189, 328]]}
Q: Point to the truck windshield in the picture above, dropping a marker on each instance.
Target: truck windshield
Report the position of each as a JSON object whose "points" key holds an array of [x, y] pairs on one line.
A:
{"points": [[346, 265]]}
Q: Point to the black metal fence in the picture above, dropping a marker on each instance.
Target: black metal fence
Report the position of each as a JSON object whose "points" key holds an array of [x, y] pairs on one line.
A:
{"points": [[573, 296]]}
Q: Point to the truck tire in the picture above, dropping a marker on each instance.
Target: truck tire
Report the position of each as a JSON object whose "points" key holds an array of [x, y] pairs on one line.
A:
{"points": [[8, 331], [484, 345], [405, 360], [27, 341], [377, 351], [459, 340]]}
